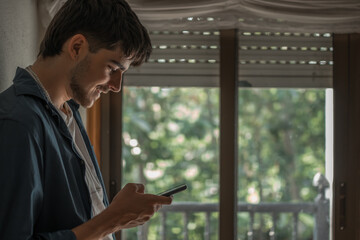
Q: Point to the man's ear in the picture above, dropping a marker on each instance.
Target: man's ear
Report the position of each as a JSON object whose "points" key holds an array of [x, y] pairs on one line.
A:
{"points": [[77, 46]]}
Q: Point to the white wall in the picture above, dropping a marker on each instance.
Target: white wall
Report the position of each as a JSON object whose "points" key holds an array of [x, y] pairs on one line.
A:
{"points": [[18, 37]]}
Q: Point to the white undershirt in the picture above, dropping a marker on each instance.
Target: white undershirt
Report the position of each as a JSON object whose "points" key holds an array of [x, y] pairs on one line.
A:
{"points": [[91, 178]]}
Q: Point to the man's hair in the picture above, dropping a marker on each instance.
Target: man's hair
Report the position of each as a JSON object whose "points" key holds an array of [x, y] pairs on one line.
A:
{"points": [[106, 24]]}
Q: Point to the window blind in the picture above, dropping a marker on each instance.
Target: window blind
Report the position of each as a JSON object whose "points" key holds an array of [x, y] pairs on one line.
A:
{"points": [[184, 59], [266, 59]]}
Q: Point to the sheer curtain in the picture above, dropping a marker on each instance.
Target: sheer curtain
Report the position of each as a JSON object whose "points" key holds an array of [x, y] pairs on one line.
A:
{"points": [[334, 16]]}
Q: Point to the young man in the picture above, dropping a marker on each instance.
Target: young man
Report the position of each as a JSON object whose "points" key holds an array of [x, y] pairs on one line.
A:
{"points": [[51, 186]]}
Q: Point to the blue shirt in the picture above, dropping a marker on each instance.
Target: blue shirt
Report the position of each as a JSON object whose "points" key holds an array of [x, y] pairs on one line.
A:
{"points": [[42, 177]]}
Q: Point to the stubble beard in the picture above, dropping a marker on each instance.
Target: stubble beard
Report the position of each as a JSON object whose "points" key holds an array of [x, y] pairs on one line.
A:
{"points": [[79, 94]]}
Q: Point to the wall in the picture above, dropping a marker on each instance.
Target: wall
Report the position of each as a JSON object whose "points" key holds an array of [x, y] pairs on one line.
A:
{"points": [[18, 37]]}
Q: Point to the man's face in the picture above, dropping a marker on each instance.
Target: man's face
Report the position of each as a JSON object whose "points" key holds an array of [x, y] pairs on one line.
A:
{"points": [[98, 73]]}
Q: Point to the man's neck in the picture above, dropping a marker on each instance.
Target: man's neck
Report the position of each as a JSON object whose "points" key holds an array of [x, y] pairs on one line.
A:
{"points": [[54, 77]]}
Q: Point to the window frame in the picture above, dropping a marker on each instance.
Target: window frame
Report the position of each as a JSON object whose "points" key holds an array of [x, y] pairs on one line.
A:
{"points": [[346, 195], [346, 74]]}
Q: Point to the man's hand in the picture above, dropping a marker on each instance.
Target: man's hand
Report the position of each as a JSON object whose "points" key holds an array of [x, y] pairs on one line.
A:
{"points": [[131, 207]]}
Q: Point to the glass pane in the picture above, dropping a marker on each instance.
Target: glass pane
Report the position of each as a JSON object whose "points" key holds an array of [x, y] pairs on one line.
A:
{"points": [[171, 136], [281, 148]]}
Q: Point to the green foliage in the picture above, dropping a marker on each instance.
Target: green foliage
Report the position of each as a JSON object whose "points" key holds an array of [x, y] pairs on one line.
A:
{"points": [[177, 132], [281, 142], [171, 136], [281, 148]]}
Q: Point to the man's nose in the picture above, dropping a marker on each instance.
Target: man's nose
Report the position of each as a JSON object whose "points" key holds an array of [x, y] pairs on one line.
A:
{"points": [[115, 81]]}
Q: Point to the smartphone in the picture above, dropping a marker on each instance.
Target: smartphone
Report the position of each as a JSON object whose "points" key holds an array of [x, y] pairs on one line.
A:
{"points": [[173, 190]]}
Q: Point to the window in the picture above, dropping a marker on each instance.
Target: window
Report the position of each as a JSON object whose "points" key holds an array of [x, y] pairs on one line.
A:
{"points": [[171, 131], [281, 150], [171, 136], [285, 81]]}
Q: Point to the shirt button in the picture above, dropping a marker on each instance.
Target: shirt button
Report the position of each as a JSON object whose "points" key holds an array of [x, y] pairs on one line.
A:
{"points": [[47, 106]]}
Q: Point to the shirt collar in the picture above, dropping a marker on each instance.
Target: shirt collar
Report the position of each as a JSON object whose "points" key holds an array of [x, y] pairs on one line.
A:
{"points": [[25, 84]]}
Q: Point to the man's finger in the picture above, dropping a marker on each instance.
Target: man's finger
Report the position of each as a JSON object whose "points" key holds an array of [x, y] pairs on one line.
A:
{"points": [[162, 200]]}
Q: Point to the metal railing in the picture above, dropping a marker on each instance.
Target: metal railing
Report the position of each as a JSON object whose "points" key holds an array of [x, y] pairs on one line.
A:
{"points": [[319, 209]]}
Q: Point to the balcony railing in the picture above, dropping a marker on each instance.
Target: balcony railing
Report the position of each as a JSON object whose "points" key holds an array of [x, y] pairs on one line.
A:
{"points": [[319, 209]]}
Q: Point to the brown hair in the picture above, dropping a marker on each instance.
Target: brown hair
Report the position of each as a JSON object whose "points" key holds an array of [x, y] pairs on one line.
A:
{"points": [[105, 24]]}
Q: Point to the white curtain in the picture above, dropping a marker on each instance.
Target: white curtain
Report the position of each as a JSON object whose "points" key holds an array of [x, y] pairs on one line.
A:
{"points": [[333, 16]]}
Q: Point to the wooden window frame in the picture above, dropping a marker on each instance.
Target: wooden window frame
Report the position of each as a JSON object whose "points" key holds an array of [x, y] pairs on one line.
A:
{"points": [[105, 126], [346, 85]]}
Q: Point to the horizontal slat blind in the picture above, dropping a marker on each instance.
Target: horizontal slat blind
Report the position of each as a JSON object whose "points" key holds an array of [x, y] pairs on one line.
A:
{"points": [[266, 59], [285, 60], [179, 59]]}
